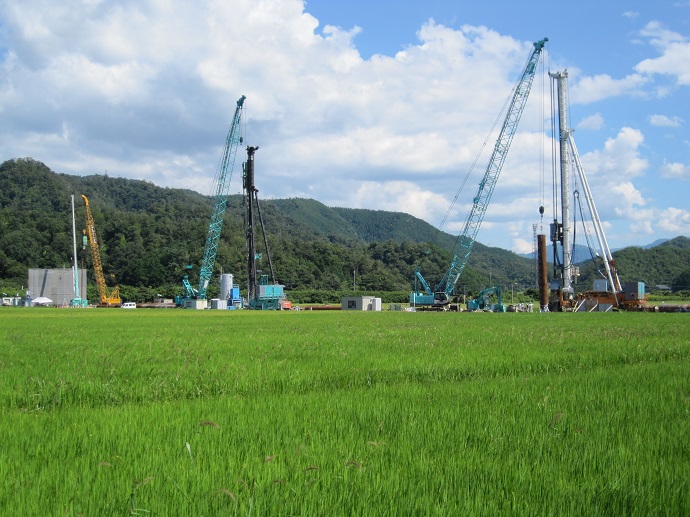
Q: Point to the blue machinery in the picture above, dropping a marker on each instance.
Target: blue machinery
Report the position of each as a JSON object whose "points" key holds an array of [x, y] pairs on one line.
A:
{"points": [[483, 301], [220, 200], [441, 294], [261, 294]]}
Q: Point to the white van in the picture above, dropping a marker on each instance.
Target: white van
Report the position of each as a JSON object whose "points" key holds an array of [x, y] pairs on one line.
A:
{"points": [[129, 305]]}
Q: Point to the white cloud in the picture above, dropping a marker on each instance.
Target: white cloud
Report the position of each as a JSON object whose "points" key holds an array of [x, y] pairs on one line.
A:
{"points": [[675, 54], [629, 198], [664, 121], [593, 122], [599, 87], [392, 195], [620, 158], [675, 170], [643, 227], [146, 89], [522, 246], [676, 221]]}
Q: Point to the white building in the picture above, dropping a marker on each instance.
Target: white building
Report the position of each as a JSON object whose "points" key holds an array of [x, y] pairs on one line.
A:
{"points": [[361, 303]]}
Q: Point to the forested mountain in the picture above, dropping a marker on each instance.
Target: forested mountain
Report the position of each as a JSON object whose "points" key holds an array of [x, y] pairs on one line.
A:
{"points": [[667, 264], [149, 235]]}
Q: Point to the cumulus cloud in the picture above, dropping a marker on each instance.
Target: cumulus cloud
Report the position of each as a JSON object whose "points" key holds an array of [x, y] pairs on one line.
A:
{"points": [[593, 122], [620, 159], [146, 89], [392, 195], [676, 221], [674, 60], [599, 87]]}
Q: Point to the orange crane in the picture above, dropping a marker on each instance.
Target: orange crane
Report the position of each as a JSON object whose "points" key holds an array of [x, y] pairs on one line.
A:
{"points": [[107, 299]]}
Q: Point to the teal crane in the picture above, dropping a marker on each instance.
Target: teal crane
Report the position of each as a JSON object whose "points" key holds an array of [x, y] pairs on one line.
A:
{"points": [[440, 296], [221, 192]]}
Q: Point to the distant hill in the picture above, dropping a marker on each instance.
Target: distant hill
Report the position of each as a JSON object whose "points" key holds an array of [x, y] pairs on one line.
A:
{"points": [[359, 224], [653, 244], [662, 264], [583, 253], [149, 235]]}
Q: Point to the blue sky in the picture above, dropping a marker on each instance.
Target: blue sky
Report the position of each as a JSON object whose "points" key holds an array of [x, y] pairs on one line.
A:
{"points": [[380, 105]]}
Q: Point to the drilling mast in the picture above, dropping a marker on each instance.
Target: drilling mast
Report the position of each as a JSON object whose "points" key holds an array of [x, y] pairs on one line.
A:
{"points": [[561, 232], [262, 294], [562, 298]]}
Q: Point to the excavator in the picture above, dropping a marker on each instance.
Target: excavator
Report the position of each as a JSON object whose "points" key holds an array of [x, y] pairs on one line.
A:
{"points": [[108, 298], [483, 301]]}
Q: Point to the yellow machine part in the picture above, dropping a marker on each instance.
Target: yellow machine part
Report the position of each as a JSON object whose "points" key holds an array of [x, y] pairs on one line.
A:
{"points": [[107, 298]]}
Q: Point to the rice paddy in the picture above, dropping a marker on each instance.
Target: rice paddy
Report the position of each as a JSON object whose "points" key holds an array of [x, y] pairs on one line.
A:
{"points": [[173, 412]]}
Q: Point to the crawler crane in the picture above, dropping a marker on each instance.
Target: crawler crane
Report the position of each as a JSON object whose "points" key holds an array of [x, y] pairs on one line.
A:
{"points": [[107, 298], [439, 297], [221, 190]]}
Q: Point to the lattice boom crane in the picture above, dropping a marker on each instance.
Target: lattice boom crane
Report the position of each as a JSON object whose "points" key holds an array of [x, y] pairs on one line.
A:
{"points": [[440, 296], [107, 298], [221, 189]]}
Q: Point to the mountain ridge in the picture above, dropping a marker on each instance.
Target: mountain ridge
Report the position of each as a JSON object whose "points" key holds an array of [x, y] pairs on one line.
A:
{"points": [[149, 234]]}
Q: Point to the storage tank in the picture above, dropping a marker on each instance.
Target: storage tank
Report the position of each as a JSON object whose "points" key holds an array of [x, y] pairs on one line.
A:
{"points": [[226, 282]]}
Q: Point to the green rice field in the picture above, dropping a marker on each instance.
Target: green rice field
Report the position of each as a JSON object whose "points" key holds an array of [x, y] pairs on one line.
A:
{"points": [[328, 413]]}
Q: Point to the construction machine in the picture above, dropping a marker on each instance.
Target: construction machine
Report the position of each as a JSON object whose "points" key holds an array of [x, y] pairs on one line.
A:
{"points": [[608, 293], [263, 293], [107, 298], [483, 301], [221, 192], [440, 296]]}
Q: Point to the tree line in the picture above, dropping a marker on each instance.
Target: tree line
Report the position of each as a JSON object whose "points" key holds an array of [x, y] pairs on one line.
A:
{"points": [[149, 236]]}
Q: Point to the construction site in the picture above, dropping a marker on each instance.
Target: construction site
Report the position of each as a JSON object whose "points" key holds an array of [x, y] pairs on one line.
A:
{"points": [[558, 289]]}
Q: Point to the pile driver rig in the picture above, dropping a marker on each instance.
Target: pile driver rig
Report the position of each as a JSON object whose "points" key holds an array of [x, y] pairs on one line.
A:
{"points": [[604, 296], [261, 294]]}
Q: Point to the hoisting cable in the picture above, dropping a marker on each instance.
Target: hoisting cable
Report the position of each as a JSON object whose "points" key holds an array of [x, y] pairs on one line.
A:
{"points": [[554, 163], [588, 237], [542, 161], [576, 199], [474, 163], [499, 117], [435, 237], [263, 232]]}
